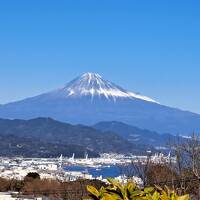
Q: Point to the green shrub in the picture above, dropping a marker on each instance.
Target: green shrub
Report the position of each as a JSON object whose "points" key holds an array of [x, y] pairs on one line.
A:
{"points": [[130, 191]]}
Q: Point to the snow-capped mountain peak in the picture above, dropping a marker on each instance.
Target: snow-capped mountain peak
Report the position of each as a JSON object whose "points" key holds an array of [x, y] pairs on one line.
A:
{"points": [[92, 84], [90, 99]]}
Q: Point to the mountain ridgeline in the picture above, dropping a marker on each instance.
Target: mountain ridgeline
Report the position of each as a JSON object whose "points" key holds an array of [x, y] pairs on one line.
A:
{"points": [[89, 99], [136, 135], [47, 137]]}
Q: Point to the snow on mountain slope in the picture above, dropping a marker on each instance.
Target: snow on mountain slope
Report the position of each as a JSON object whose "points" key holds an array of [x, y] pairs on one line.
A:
{"points": [[90, 99], [92, 84]]}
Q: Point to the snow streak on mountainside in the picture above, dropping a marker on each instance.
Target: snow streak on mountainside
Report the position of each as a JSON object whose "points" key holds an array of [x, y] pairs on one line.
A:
{"points": [[92, 84], [90, 99]]}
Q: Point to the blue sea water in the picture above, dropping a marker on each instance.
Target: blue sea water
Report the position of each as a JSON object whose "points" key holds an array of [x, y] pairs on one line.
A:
{"points": [[104, 171]]}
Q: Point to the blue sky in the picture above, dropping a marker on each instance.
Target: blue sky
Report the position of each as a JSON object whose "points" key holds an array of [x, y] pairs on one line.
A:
{"points": [[151, 47]]}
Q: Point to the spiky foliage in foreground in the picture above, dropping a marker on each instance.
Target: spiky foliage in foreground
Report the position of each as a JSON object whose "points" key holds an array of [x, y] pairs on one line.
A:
{"points": [[130, 191]]}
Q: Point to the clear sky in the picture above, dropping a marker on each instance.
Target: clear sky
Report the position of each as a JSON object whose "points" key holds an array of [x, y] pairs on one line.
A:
{"points": [[151, 47]]}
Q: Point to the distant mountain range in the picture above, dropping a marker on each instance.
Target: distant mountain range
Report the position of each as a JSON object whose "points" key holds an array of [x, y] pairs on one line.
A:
{"points": [[136, 135], [90, 99], [45, 136]]}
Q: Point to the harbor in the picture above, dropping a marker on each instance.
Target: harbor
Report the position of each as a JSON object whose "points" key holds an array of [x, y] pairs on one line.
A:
{"points": [[71, 169]]}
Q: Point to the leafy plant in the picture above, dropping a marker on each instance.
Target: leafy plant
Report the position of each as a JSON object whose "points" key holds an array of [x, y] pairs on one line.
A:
{"points": [[130, 191]]}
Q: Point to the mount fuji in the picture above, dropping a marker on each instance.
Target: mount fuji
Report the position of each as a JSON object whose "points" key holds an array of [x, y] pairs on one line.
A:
{"points": [[90, 99], [93, 85]]}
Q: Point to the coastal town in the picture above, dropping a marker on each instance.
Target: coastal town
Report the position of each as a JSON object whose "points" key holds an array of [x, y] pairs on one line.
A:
{"points": [[57, 168]]}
